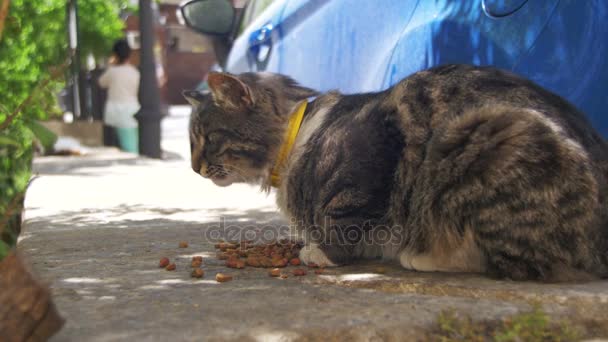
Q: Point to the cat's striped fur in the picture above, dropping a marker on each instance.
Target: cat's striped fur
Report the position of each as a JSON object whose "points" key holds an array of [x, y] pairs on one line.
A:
{"points": [[463, 168]]}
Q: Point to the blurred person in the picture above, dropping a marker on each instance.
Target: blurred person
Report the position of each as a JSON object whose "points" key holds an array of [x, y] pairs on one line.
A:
{"points": [[122, 81]]}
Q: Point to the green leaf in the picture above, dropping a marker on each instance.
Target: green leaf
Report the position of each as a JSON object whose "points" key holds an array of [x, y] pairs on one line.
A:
{"points": [[43, 134], [4, 140], [5, 249]]}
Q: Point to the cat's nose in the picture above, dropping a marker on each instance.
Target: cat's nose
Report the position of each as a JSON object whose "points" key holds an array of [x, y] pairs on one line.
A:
{"points": [[198, 166]]}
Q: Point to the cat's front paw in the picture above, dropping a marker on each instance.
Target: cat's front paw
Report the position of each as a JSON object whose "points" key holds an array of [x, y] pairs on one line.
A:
{"points": [[312, 254]]}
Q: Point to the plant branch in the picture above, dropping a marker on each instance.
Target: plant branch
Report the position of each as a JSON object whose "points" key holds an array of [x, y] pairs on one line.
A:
{"points": [[13, 206], [3, 15]]}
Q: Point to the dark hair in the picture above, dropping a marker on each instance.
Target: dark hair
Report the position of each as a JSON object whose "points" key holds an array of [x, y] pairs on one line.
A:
{"points": [[122, 50]]}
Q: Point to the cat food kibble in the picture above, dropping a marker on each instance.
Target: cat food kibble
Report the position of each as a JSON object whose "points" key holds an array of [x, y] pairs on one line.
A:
{"points": [[224, 246], [298, 272], [231, 262], [265, 262], [238, 255], [279, 262], [252, 261], [274, 255], [164, 262], [197, 258], [197, 273], [197, 261], [235, 263], [222, 278]]}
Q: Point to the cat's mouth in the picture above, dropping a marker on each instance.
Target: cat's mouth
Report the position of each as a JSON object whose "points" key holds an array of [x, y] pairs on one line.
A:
{"points": [[219, 175], [222, 180]]}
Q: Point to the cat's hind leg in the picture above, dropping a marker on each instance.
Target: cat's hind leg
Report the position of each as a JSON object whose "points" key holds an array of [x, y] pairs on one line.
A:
{"points": [[508, 186], [441, 257]]}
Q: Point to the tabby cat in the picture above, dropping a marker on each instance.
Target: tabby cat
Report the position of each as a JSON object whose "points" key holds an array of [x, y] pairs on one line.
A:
{"points": [[456, 169]]}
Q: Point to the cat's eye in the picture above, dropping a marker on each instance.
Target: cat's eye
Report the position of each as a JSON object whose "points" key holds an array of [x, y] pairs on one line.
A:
{"points": [[212, 137]]}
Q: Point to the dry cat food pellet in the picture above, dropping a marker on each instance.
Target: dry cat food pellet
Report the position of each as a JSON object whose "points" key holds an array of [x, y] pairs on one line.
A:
{"points": [[224, 246], [197, 261], [275, 272], [197, 273], [222, 278], [183, 244], [272, 255], [319, 271], [164, 262], [295, 262], [265, 262], [298, 272], [253, 262], [312, 265], [170, 267], [279, 262], [235, 263], [284, 276]]}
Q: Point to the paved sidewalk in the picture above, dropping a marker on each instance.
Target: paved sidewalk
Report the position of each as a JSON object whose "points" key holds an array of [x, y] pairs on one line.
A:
{"points": [[97, 225]]}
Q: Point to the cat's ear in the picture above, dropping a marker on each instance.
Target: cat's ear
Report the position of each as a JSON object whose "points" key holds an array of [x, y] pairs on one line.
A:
{"points": [[228, 91], [194, 97]]}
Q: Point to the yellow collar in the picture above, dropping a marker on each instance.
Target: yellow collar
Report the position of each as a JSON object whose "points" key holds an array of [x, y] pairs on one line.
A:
{"points": [[293, 127]]}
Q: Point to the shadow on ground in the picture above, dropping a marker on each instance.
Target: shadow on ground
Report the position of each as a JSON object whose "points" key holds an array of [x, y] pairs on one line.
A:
{"points": [[89, 165]]}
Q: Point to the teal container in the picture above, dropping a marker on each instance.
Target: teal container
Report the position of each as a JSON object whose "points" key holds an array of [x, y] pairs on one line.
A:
{"points": [[128, 138]]}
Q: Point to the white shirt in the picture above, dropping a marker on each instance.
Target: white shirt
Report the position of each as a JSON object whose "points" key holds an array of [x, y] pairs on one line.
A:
{"points": [[122, 82]]}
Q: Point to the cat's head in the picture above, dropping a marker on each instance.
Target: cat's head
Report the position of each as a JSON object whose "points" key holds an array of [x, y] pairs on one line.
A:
{"points": [[237, 127]]}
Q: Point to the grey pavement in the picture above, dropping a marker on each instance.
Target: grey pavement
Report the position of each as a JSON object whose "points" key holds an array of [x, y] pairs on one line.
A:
{"points": [[97, 225]]}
